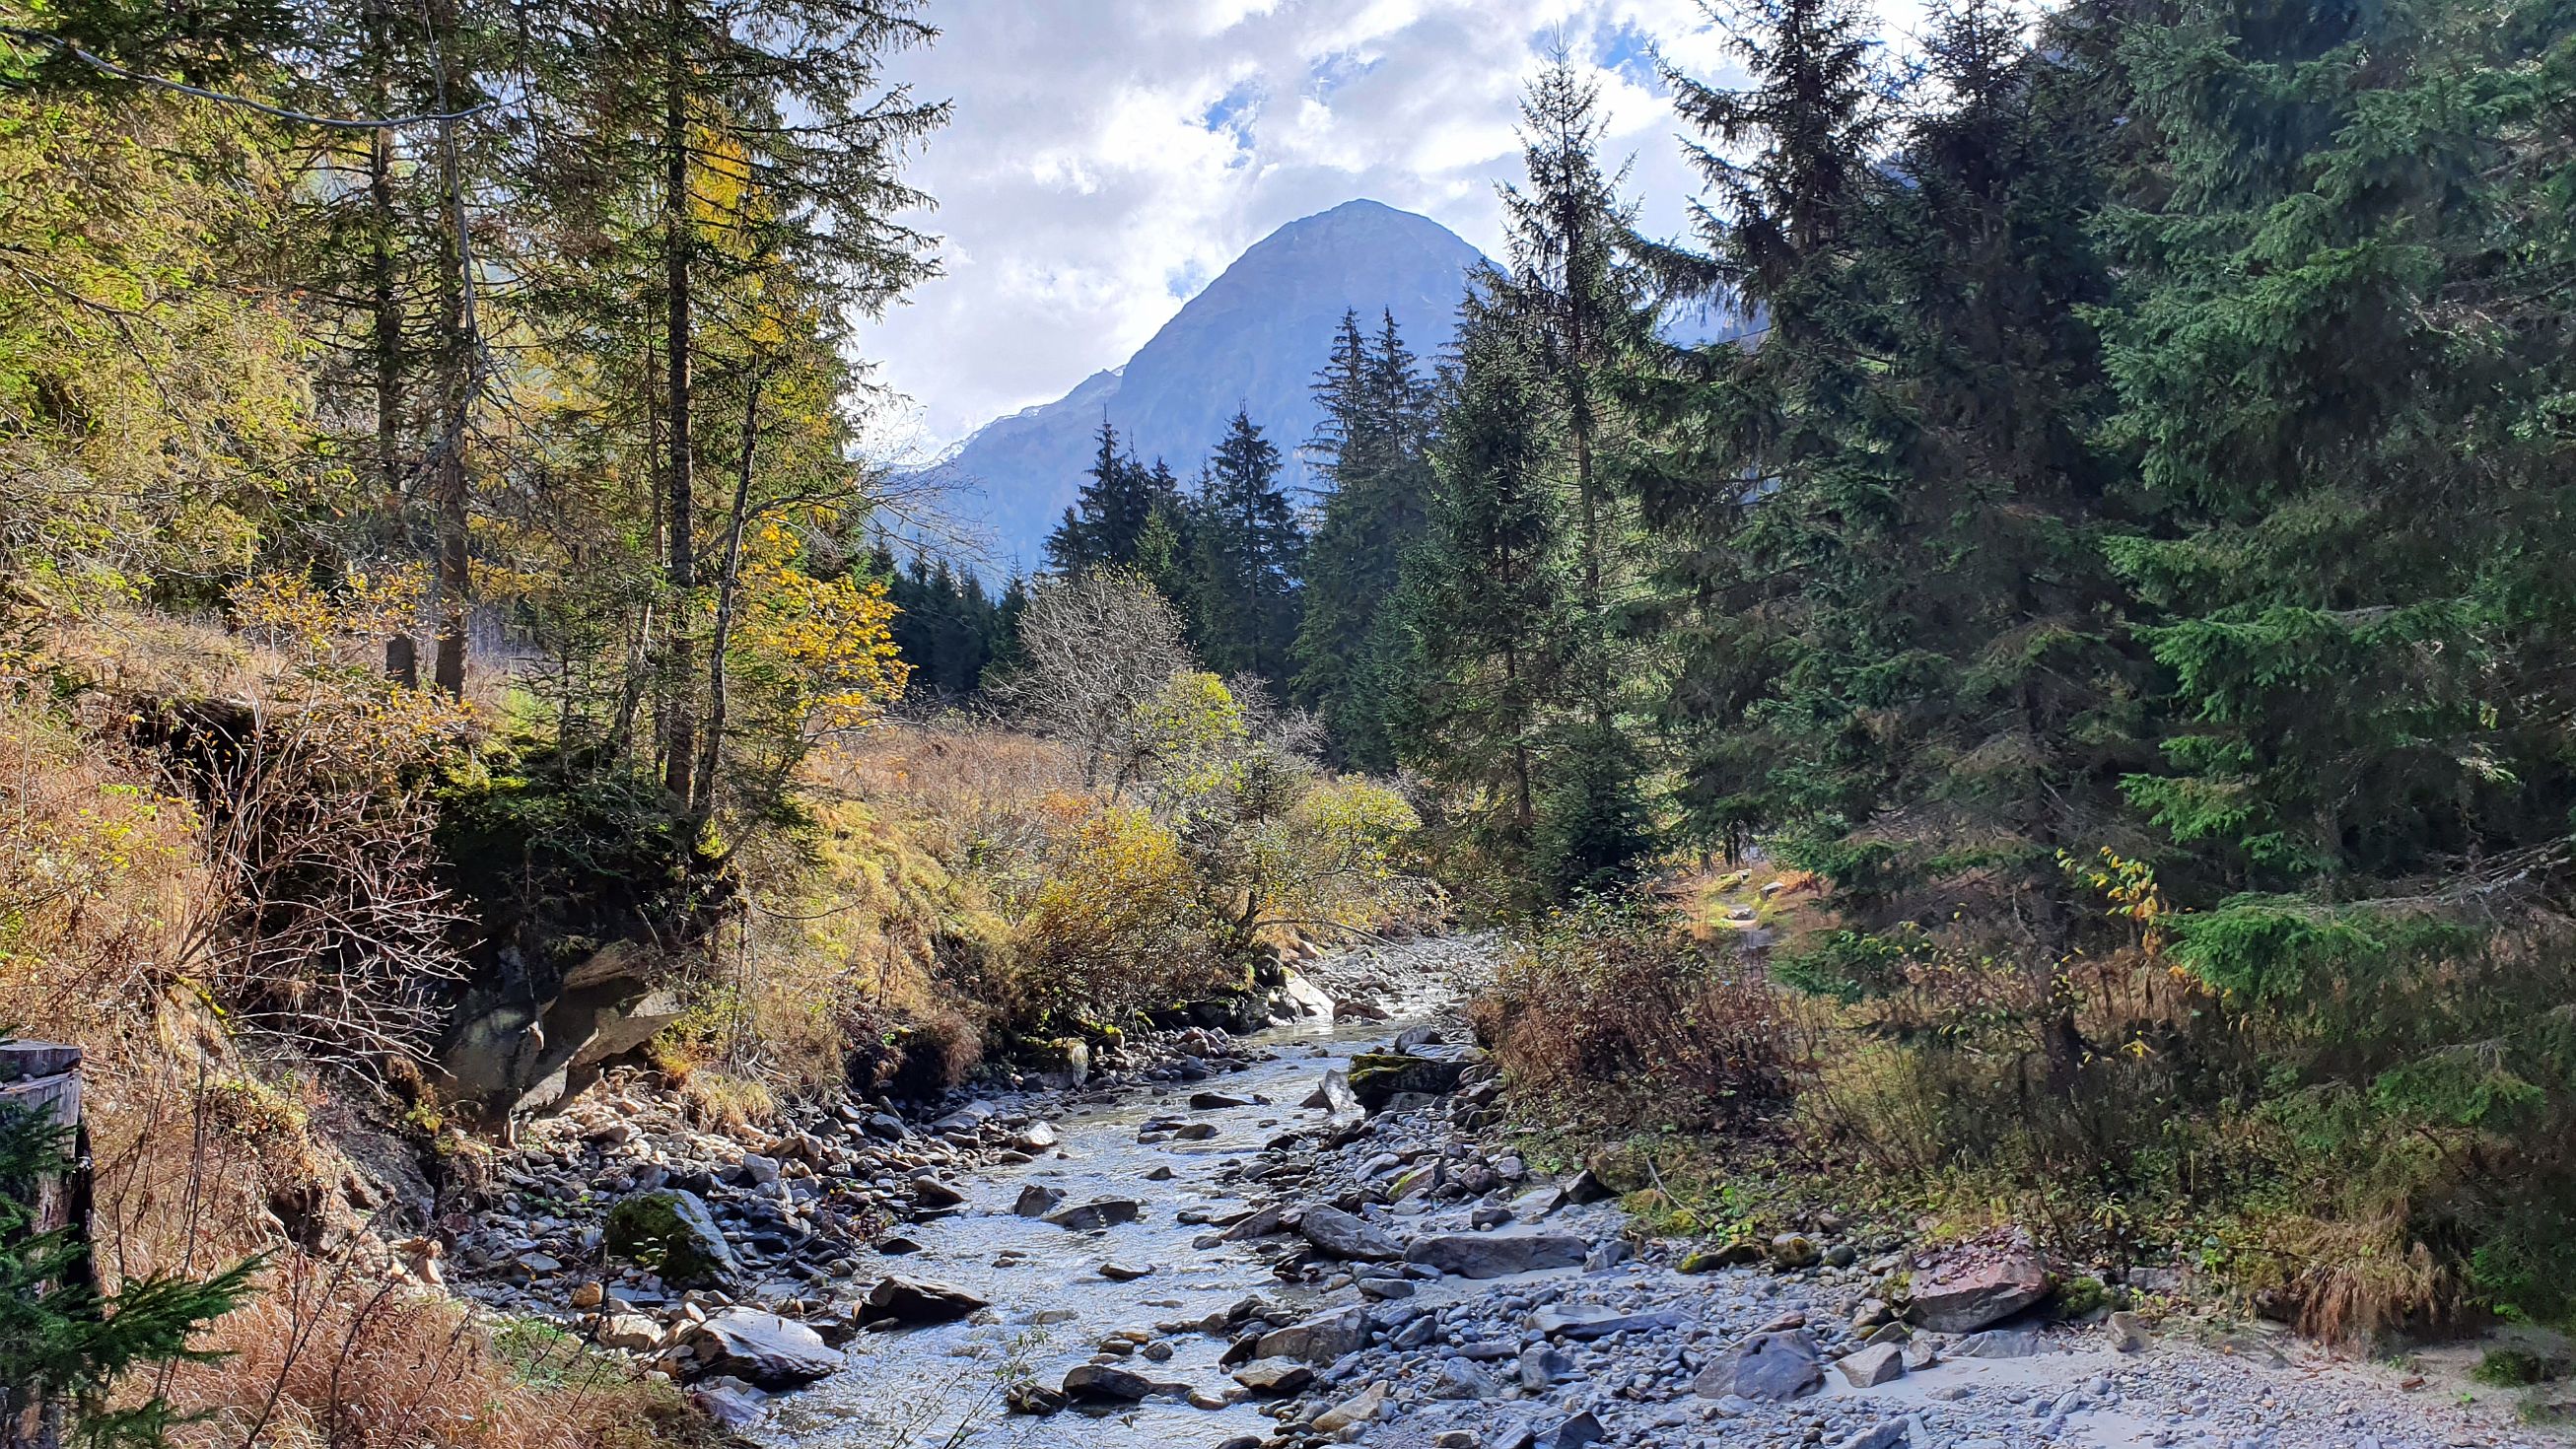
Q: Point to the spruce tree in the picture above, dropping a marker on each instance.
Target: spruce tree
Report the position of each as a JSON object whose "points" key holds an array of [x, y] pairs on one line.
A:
{"points": [[1487, 599], [1107, 522], [1248, 553], [1372, 450]]}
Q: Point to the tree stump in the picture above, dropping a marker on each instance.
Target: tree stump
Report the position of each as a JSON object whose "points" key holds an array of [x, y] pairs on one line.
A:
{"points": [[45, 1078]]}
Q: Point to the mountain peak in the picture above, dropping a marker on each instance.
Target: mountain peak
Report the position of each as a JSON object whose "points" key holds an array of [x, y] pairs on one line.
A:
{"points": [[1253, 338]]}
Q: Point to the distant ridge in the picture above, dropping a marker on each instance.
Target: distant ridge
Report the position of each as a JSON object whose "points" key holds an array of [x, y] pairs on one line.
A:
{"points": [[1254, 338]]}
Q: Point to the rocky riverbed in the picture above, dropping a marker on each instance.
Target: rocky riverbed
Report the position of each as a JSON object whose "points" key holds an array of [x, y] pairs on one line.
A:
{"points": [[1298, 1239]]}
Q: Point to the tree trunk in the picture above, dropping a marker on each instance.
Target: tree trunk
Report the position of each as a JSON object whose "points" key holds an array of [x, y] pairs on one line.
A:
{"points": [[679, 728], [385, 308], [458, 358], [727, 583]]}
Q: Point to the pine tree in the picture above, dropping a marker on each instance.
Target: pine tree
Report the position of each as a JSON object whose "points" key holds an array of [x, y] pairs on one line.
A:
{"points": [[1372, 449], [1106, 525], [1751, 438], [1485, 603], [1248, 556]]}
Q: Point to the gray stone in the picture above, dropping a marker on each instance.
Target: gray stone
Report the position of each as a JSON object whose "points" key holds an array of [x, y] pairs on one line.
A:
{"points": [[1092, 1215], [1496, 1255], [1273, 1378], [1320, 1339], [1886, 1434], [1037, 1200], [1460, 1379], [1768, 1368], [918, 1300], [1345, 1235], [1541, 1366], [1998, 1343], [1583, 1322], [1105, 1383], [1867, 1369], [762, 1349]]}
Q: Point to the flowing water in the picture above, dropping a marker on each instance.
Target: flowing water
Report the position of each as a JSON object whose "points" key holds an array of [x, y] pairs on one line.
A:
{"points": [[941, 1385]]}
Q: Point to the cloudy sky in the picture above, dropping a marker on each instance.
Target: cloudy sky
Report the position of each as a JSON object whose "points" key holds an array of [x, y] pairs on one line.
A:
{"points": [[1109, 157]]}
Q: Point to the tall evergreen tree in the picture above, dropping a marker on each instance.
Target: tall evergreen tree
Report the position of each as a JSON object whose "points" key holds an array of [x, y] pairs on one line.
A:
{"points": [[1106, 525], [1248, 556], [1485, 602], [1372, 449]]}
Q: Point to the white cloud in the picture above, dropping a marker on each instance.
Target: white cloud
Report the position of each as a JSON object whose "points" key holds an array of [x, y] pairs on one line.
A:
{"points": [[1109, 157]]}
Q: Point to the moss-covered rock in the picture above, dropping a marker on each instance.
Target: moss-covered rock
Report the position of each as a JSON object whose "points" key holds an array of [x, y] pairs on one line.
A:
{"points": [[1376, 1077], [670, 1231]]}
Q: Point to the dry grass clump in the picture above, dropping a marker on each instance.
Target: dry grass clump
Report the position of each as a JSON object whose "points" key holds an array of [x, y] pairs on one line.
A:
{"points": [[1612, 1015], [330, 1355]]}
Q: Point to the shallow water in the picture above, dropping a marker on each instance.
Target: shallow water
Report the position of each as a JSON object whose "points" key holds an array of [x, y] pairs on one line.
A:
{"points": [[941, 1385]]}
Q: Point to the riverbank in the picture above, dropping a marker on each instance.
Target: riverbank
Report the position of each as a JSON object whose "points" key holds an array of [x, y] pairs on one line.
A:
{"points": [[1217, 1249]]}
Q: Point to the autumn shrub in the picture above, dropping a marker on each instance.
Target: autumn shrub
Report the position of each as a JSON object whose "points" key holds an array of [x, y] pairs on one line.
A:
{"points": [[1607, 1013], [1118, 923]]}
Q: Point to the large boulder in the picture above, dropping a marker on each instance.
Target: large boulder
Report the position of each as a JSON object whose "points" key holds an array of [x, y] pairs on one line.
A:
{"points": [[1973, 1292], [1497, 1255], [762, 1349], [516, 1052], [918, 1300], [670, 1231], [1346, 1235], [1768, 1368], [1377, 1078]]}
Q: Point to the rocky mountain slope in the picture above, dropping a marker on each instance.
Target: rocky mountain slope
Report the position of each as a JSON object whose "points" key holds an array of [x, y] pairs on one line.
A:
{"points": [[1253, 338]]}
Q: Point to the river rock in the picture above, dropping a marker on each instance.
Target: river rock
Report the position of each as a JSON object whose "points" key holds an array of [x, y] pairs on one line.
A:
{"points": [[762, 1349], [1496, 1255], [1035, 1137], [918, 1300], [1272, 1378], [1320, 1339], [1216, 1101], [1968, 1294], [630, 1332], [1584, 1322], [1105, 1383], [1339, 1103], [670, 1231], [1346, 1235], [1768, 1368], [1091, 1215], [931, 1193], [1377, 1078], [1037, 1200], [1879, 1364], [1358, 1409]]}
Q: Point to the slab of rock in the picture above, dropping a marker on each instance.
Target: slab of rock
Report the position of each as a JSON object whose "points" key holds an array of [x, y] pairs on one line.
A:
{"points": [[732, 1408], [1216, 1101], [1037, 1200], [1879, 1364], [918, 1300], [1320, 1339], [1126, 1272], [1584, 1322], [1497, 1255], [1105, 1383], [1035, 1137], [1999, 1343], [1886, 1434], [1347, 1235], [1092, 1215], [1334, 1095], [1970, 1293], [1272, 1378], [670, 1231], [1768, 1368], [762, 1349]]}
